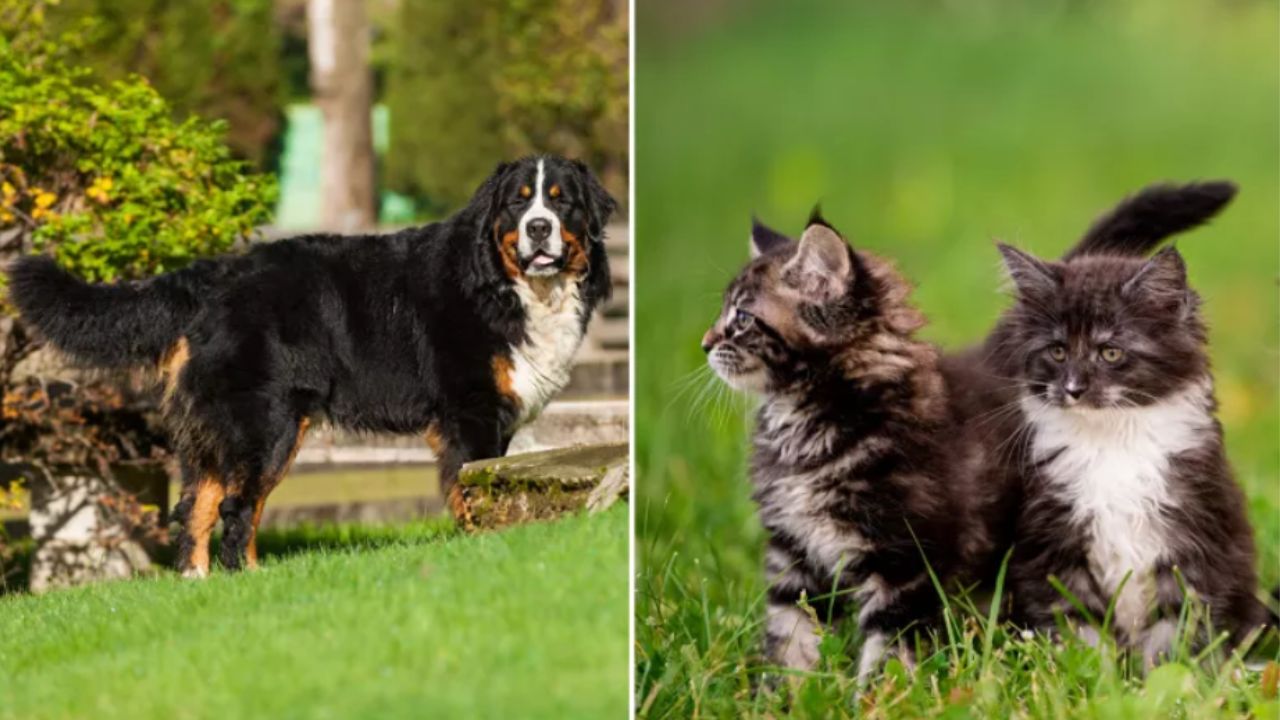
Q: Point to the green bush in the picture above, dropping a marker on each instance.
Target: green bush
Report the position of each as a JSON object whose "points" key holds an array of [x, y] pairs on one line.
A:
{"points": [[471, 82], [213, 58], [101, 175]]}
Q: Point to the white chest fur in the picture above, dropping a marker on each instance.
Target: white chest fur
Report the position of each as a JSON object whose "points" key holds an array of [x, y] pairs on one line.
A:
{"points": [[542, 363], [1111, 468]]}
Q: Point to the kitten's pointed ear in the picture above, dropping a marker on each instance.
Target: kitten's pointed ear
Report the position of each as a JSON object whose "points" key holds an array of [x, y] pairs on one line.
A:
{"points": [[1164, 276], [1030, 274], [765, 239], [822, 265]]}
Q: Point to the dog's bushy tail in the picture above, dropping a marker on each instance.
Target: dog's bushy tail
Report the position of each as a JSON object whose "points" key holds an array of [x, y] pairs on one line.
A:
{"points": [[1142, 221], [104, 325]]}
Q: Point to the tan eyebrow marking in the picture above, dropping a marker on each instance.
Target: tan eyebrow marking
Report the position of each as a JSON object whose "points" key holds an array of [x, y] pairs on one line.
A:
{"points": [[525, 191], [554, 191]]}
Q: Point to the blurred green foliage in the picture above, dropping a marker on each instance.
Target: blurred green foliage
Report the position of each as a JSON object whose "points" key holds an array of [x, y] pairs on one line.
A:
{"points": [[216, 59], [474, 82], [103, 175], [927, 130]]}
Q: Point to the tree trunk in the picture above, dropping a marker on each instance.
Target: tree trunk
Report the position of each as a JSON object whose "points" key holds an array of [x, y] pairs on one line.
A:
{"points": [[342, 85]]}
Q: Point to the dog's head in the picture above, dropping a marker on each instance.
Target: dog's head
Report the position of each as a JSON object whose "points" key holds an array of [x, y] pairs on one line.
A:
{"points": [[545, 214]]}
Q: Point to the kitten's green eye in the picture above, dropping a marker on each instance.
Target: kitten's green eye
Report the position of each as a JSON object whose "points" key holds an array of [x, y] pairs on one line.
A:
{"points": [[1058, 353], [1112, 354], [742, 318]]}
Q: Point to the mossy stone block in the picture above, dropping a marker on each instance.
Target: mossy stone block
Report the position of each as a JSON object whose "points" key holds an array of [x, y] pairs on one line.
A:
{"points": [[505, 491]]}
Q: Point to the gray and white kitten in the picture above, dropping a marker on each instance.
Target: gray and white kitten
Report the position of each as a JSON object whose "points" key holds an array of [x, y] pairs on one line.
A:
{"points": [[1124, 475], [860, 469]]}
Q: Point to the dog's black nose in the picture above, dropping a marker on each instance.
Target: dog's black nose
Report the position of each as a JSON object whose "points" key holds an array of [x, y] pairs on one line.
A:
{"points": [[538, 229]]}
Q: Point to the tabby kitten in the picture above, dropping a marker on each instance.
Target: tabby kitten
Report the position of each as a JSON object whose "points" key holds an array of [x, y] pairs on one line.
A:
{"points": [[854, 469], [1125, 476]]}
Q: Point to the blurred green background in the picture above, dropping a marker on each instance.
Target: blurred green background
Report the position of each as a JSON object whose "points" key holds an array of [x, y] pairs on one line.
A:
{"points": [[927, 129]]}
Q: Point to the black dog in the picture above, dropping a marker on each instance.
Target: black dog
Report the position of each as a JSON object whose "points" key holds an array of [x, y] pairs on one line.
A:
{"points": [[461, 330]]}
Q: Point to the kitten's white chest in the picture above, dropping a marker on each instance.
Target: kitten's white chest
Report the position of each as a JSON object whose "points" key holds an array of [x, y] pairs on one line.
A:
{"points": [[542, 363], [1111, 467]]}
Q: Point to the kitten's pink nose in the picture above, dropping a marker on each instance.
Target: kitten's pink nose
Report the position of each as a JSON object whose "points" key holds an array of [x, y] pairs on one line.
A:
{"points": [[709, 340]]}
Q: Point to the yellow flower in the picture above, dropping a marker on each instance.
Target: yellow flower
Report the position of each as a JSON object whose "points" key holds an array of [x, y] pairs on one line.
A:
{"points": [[98, 190], [44, 199]]}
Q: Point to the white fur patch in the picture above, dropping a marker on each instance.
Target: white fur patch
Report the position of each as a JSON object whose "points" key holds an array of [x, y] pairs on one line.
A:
{"points": [[797, 635], [792, 505], [541, 365], [873, 650], [539, 210], [1111, 470]]}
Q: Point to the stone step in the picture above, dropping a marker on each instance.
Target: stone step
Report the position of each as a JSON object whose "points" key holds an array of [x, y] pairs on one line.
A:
{"points": [[562, 423], [521, 488], [574, 422], [621, 274], [612, 334], [617, 237], [618, 306], [598, 373]]}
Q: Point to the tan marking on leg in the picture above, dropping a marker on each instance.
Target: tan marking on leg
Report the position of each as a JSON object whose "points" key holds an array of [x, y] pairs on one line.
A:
{"points": [[435, 440], [502, 371], [458, 508], [251, 549], [200, 523], [172, 363]]}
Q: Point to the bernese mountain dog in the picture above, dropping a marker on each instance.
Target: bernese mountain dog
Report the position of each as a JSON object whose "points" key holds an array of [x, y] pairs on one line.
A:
{"points": [[461, 330]]}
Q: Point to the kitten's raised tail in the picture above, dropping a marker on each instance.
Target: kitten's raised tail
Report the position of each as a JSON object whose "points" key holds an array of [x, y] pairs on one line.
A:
{"points": [[1142, 221]]}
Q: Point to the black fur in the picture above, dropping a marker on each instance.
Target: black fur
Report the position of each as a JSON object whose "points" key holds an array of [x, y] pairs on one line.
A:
{"points": [[395, 333], [120, 325], [1106, 329], [1141, 222]]}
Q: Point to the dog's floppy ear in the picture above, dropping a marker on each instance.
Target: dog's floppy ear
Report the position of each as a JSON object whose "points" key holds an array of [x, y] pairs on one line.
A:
{"points": [[600, 204], [484, 203]]}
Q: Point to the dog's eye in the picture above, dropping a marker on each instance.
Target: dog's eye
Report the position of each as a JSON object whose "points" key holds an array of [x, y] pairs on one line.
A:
{"points": [[1111, 354], [526, 192], [1058, 353]]}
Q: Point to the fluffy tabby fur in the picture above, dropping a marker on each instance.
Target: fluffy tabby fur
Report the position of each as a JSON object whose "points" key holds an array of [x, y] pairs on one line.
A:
{"points": [[872, 451], [1124, 478], [860, 470], [460, 330]]}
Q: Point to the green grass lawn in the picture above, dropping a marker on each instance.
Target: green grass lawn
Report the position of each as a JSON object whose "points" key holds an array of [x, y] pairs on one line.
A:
{"points": [[342, 623], [927, 130]]}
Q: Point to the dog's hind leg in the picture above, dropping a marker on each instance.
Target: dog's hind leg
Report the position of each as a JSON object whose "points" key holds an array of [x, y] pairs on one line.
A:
{"points": [[197, 511], [242, 510], [270, 482]]}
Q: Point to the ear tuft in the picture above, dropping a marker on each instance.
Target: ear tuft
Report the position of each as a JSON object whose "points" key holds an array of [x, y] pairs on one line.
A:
{"points": [[822, 265], [1163, 277], [1031, 275], [765, 240]]}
